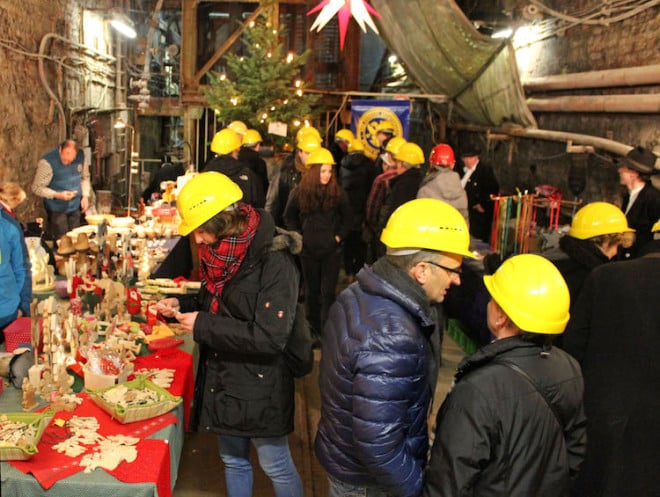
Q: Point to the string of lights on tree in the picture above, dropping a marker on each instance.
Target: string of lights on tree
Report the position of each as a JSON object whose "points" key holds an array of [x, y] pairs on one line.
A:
{"points": [[263, 85]]}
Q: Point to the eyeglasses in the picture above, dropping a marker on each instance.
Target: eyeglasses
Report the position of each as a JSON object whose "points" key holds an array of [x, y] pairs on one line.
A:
{"points": [[451, 270]]}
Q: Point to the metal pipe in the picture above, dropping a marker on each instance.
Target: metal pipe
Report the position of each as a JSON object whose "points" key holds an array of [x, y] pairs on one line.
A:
{"points": [[42, 74], [629, 76], [638, 103], [611, 146]]}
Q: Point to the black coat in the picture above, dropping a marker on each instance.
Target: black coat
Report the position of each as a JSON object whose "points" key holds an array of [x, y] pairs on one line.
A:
{"points": [[481, 185], [244, 387], [242, 175], [641, 217], [497, 436], [356, 175], [403, 188], [167, 172], [284, 180], [614, 332], [253, 160], [320, 227], [575, 259]]}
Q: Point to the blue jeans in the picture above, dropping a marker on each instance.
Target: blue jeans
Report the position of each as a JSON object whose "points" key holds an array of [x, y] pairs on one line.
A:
{"points": [[338, 488], [274, 458]]}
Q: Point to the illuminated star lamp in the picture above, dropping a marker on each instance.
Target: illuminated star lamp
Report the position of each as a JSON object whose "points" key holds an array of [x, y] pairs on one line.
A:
{"points": [[344, 9]]}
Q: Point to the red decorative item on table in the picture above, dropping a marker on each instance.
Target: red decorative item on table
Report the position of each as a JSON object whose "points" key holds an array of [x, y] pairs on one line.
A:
{"points": [[19, 333], [133, 301]]}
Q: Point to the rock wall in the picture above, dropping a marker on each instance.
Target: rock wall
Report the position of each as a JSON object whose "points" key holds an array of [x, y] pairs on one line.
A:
{"points": [[582, 48], [29, 125]]}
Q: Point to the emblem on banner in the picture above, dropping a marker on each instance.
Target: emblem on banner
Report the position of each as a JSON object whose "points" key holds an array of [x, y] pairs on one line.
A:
{"points": [[368, 125]]}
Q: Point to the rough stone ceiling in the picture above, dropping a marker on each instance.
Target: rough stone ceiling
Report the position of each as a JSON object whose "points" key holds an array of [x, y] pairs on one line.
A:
{"points": [[444, 54]]}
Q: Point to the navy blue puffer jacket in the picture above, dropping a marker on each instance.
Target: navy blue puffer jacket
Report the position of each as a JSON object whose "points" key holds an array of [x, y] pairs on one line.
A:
{"points": [[376, 380]]}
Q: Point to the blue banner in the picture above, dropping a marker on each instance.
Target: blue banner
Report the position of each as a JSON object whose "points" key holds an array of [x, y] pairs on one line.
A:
{"points": [[366, 116]]}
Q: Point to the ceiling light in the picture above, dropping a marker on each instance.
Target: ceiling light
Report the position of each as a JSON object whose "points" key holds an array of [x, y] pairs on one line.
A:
{"points": [[504, 33], [123, 24]]}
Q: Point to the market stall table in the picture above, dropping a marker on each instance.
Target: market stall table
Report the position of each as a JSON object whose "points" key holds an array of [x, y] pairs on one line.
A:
{"points": [[159, 452]]}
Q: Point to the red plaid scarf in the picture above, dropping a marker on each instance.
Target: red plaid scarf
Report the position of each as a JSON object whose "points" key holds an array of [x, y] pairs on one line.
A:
{"points": [[220, 262]]}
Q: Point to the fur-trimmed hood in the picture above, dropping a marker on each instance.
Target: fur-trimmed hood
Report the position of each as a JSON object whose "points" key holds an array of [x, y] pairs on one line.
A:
{"points": [[284, 239]]}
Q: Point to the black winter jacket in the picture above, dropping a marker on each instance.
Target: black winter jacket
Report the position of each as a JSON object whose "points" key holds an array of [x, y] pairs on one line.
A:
{"points": [[253, 160], [244, 387], [356, 175], [403, 188], [241, 174], [496, 436], [284, 180], [320, 227]]}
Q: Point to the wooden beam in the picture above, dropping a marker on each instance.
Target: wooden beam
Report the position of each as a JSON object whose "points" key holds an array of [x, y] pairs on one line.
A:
{"points": [[225, 46], [188, 46]]}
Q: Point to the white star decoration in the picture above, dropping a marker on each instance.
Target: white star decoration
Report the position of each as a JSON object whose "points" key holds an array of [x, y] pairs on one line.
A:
{"points": [[344, 9]]}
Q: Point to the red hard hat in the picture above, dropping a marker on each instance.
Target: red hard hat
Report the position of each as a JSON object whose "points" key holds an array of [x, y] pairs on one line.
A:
{"points": [[442, 155]]}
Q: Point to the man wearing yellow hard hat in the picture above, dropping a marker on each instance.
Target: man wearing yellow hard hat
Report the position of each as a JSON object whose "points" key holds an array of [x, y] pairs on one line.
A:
{"points": [[226, 145], [614, 332], [514, 425], [597, 231], [380, 355]]}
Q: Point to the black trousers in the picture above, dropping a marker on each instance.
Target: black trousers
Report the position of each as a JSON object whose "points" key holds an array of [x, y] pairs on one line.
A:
{"points": [[320, 275], [355, 252], [60, 223]]}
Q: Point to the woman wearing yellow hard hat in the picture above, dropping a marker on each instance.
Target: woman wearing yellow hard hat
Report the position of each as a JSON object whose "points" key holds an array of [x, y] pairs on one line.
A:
{"points": [[288, 175], [319, 209], [514, 423], [242, 320]]}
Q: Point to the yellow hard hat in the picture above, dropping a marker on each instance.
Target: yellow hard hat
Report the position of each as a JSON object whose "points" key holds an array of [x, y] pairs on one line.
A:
{"points": [[410, 153], [385, 126], [251, 137], [427, 223], [225, 142], [307, 130], [238, 126], [598, 218], [532, 292], [345, 135], [656, 226], [395, 144], [319, 155], [203, 197], [308, 142], [356, 146]]}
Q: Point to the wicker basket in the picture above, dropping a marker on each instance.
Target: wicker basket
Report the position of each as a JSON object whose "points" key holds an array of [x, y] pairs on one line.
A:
{"points": [[130, 414], [40, 421]]}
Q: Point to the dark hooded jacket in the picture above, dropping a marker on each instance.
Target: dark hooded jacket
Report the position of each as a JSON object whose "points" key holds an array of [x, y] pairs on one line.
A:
{"points": [[244, 386], [242, 175], [497, 436]]}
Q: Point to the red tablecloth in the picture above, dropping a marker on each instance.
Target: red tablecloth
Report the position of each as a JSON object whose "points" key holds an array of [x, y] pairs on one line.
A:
{"points": [[183, 383], [152, 464]]}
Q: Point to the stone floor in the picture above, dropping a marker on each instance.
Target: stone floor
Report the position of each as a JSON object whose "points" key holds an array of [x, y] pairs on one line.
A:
{"points": [[201, 473]]}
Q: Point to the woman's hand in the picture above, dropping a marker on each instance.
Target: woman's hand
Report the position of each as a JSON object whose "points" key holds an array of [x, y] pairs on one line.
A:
{"points": [[168, 307], [187, 319]]}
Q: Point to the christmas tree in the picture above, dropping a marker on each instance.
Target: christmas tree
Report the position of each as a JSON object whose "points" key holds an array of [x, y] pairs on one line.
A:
{"points": [[262, 86]]}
